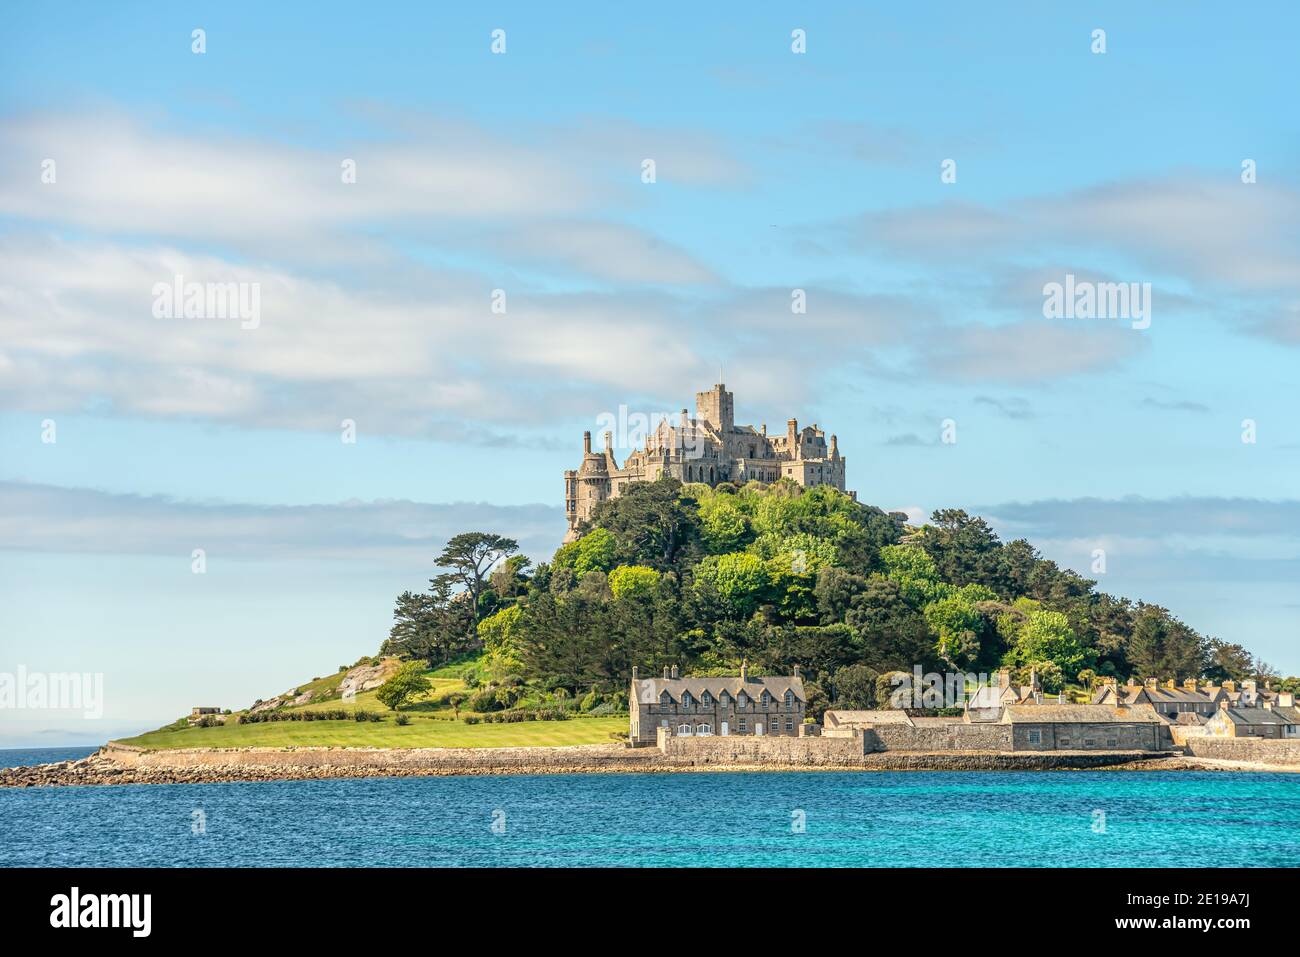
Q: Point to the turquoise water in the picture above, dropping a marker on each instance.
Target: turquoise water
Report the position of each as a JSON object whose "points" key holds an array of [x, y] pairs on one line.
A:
{"points": [[867, 819]]}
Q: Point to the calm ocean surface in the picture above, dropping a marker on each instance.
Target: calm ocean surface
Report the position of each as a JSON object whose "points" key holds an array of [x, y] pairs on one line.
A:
{"points": [[866, 819]]}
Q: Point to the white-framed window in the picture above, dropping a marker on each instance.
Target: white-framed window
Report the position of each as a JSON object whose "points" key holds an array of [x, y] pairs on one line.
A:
{"points": [[705, 729], [684, 729], [1035, 737], [743, 725]]}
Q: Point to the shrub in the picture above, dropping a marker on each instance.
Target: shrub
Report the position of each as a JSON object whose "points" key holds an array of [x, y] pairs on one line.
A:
{"points": [[472, 719], [403, 719]]}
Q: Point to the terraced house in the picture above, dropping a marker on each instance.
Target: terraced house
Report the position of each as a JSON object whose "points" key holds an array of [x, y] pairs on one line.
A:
{"points": [[748, 704]]}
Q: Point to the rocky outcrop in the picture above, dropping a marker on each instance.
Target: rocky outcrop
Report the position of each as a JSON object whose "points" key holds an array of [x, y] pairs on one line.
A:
{"points": [[366, 677]]}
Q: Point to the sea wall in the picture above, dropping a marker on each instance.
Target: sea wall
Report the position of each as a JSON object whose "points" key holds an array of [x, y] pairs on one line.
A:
{"points": [[754, 750], [1255, 750], [579, 757], [939, 737]]}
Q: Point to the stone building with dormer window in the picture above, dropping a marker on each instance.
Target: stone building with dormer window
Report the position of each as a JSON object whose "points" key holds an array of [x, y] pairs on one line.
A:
{"points": [[747, 704]]}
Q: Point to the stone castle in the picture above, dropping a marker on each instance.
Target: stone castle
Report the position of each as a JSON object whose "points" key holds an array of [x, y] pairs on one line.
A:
{"points": [[709, 448]]}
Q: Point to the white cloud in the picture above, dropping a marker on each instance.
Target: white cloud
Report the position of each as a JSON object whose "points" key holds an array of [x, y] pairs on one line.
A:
{"points": [[45, 518]]}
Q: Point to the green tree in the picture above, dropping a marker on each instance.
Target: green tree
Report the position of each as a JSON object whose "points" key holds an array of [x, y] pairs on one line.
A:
{"points": [[633, 581], [406, 683], [739, 580], [855, 687], [469, 557], [654, 523]]}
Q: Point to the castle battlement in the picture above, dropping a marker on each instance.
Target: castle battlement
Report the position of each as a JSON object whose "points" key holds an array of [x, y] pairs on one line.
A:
{"points": [[709, 448]]}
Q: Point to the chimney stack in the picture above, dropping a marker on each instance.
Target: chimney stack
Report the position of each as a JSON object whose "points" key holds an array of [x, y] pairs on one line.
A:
{"points": [[744, 670], [609, 441], [1153, 682], [634, 672], [674, 672], [665, 672], [796, 671], [1285, 699], [1189, 684], [1004, 679], [586, 443], [1169, 683], [1230, 686]]}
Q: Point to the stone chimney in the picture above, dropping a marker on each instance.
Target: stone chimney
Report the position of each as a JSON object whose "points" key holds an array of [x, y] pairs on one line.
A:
{"points": [[796, 671], [1170, 684], [586, 443], [1268, 704], [1285, 699], [763, 429], [744, 670], [634, 673], [1230, 686], [674, 672], [609, 442], [665, 672], [1153, 682], [791, 431], [1004, 679], [835, 446], [1189, 684]]}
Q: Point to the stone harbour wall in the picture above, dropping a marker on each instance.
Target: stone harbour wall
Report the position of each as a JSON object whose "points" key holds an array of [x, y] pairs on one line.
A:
{"points": [[752, 749], [1255, 750], [946, 737]]}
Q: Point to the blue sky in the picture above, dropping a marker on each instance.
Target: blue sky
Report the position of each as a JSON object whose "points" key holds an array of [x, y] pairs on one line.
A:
{"points": [[522, 172]]}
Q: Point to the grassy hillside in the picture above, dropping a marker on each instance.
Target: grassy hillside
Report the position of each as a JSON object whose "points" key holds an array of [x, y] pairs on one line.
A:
{"points": [[433, 723]]}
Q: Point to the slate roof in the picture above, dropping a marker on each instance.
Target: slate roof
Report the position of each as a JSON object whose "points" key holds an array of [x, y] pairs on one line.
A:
{"points": [[1262, 715], [1079, 714], [649, 690]]}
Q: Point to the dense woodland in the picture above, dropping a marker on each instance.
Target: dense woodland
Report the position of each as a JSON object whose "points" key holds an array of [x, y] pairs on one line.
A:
{"points": [[781, 575]]}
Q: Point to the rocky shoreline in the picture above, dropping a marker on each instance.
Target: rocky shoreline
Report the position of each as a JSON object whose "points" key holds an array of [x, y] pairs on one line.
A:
{"points": [[121, 764]]}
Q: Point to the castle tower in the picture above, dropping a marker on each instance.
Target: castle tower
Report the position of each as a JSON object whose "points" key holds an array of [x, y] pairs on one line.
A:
{"points": [[592, 485], [717, 408]]}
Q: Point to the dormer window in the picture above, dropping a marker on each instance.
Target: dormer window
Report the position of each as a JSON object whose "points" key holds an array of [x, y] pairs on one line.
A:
{"points": [[665, 699], [789, 700], [724, 698], [706, 699], [686, 700], [767, 699], [742, 700]]}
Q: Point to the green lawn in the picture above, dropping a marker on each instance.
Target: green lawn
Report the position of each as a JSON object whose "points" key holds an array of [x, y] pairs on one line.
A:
{"points": [[432, 725], [422, 732]]}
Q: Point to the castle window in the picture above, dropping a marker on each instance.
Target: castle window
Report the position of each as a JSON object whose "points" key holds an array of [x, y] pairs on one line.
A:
{"points": [[684, 729], [704, 729]]}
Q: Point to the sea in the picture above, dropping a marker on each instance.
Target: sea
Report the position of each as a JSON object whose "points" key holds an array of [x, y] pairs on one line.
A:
{"points": [[714, 819]]}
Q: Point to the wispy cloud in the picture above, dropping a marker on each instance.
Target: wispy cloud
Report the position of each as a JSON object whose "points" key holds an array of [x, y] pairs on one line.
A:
{"points": [[45, 518]]}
